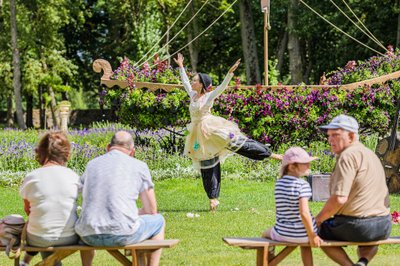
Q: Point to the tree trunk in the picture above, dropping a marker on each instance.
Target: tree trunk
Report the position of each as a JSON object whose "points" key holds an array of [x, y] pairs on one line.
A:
{"points": [[53, 107], [10, 116], [1, 15], [16, 66], [249, 43], [308, 53], [194, 46], [280, 55], [295, 64], [398, 31], [29, 110], [42, 110]]}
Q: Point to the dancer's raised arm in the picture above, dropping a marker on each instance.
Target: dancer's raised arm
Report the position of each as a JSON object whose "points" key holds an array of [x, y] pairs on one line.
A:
{"points": [[235, 66], [220, 89], [185, 80]]}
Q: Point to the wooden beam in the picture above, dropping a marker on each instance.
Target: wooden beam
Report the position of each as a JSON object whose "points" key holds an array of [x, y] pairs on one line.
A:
{"points": [[103, 65], [55, 257], [120, 257], [281, 256]]}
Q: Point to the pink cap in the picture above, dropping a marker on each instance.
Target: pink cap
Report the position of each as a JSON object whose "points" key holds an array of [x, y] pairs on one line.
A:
{"points": [[295, 155]]}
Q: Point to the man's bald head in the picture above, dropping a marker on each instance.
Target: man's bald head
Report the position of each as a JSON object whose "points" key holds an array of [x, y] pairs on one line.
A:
{"points": [[122, 139]]}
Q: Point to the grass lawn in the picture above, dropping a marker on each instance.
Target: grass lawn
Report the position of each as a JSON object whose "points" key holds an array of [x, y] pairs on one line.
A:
{"points": [[247, 208]]}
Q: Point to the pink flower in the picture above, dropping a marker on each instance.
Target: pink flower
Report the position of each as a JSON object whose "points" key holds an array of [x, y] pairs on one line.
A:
{"points": [[395, 217], [350, 65], [390, 50]]}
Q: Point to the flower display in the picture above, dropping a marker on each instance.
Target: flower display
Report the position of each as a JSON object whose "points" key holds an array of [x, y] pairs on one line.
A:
{"points": [[159, 72], [269, 116], [373, 67]]}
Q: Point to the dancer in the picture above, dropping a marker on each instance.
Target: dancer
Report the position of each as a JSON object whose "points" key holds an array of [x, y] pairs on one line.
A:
{"points": [[294, 222], [212, 138]]}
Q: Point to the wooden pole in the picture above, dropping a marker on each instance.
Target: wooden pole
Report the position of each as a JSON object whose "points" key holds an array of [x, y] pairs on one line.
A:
{"points": [[266, 46]]}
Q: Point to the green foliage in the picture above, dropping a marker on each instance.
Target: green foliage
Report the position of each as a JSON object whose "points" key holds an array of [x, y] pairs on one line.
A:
{"points": [[273, 73], [144, 109], [77, 99], [87, 30]]}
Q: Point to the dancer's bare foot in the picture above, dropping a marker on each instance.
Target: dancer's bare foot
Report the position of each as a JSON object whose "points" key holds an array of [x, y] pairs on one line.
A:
{"points": [[277, 156], [213, 204]]}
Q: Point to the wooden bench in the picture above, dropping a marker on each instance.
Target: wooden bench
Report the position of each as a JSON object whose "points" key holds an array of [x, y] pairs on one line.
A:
{"points": [[137, 251], [267, 258]]}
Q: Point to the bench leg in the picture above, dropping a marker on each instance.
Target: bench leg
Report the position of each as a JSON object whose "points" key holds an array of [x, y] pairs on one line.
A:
{"points": [[55, 257], [262, 256], [141, 256], [121, 258], [279, 257]]}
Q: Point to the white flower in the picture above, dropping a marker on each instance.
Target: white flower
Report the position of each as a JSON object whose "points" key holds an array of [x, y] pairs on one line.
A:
{"points": [[189, 215], [254, 210]]}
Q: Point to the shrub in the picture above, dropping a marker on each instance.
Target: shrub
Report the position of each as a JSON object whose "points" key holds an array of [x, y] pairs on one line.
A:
{"points": [[268, 116]]}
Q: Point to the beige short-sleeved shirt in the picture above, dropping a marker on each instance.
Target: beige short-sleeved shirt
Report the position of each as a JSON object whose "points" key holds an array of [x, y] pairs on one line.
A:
{"points": [[359, 175]]}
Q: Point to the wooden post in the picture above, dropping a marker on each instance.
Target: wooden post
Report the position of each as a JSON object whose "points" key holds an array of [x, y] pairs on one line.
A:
{"points": [[266, 47], [265, 7]]}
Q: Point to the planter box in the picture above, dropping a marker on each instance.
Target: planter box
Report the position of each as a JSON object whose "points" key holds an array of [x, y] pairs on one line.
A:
{"points": [[320, 186]]}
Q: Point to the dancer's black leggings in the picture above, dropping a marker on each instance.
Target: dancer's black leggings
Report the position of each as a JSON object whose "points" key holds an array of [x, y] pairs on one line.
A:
{"points": [[212, 176]]}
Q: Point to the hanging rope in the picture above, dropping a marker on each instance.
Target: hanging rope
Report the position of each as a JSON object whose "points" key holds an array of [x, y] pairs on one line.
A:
{"points": [[164, 34], [337, 28], [176, 35], [200, 33], [364, 25], [370, 35]]}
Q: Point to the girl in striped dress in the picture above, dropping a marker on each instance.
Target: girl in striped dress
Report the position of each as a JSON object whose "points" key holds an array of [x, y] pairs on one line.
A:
{"points": [[294, 221]]}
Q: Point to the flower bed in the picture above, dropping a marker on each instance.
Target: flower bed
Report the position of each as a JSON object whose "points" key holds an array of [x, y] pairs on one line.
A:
{"points": [[268, 116]]}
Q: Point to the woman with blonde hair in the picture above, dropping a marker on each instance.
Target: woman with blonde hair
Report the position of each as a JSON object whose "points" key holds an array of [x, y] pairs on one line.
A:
{"points": [[50, 194]]}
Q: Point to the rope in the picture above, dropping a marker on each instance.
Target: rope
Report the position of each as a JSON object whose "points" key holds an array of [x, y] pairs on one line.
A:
{"points": [[176, 35], [200, 33], [370, 35], [164, 33], [337, 28], [364, 25]]}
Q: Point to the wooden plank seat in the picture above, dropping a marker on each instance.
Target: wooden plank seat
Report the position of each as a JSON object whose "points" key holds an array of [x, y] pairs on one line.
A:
{"points": [[137, 251], [266, 257]]}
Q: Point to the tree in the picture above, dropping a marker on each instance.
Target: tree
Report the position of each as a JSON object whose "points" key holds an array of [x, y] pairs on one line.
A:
{"points": [[192, 33], [295, 62], [16, 65], [249, 43]]}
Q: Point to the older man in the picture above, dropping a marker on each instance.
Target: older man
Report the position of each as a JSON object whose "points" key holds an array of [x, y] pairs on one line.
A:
{"points": [[358, 208], [112, 183]]}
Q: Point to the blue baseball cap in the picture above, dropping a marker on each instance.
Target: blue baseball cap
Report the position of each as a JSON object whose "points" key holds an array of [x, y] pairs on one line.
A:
{"points": [[345, 122]]}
